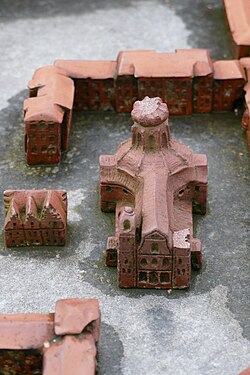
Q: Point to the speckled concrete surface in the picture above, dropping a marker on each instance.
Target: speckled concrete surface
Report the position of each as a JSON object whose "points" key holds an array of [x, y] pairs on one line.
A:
{"points": [[202, 331]]}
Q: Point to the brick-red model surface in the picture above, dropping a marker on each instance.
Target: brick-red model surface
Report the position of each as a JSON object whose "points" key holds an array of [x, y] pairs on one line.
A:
{"points": [[245, 372], [153, 183], [48, 115], [188, 80], [238, 16], [35, 217], [60, 343]]}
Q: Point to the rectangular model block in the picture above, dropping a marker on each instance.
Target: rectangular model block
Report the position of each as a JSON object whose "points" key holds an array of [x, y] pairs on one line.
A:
{"points": [[48, 115], [229, 81], [35, 217], [188, 80], [60, 343]]}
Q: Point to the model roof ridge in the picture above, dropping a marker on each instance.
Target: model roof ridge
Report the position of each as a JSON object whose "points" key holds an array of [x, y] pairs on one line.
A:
{"points": [[93, 69], [55, 92], [164, 64], [19, 331], [34, 202], [228, 69], [63, 350], [60, 89], [40, 108], [238, 13], [53, 206], [31, 207], [14, 212], [44, 75]]}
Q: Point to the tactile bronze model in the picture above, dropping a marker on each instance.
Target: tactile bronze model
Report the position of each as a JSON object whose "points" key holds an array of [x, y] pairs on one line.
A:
{"points": [[153, 183], [35, 217], [60, 343]]}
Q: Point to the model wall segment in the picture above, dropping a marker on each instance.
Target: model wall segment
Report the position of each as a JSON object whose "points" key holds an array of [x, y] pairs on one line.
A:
{"points": [[153, 245], [62, 343], [35, 217], [94, 83], [229, 81], [187, 80]]}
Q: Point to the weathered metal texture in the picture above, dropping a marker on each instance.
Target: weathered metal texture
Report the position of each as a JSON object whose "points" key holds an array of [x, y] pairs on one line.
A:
{"points": [[35, 217], [63, 343], [153, 183], [238, 16]]}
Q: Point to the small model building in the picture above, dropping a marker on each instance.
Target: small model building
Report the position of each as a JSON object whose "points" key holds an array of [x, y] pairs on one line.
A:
{"points": [[48, 115], [60, 343], [35, 217], [188, 80], [153, 183]]}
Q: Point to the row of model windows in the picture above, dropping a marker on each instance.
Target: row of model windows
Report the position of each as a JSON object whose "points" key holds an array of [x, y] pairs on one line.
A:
{"points": [[154, 277], [42, 125], [44, 150]]}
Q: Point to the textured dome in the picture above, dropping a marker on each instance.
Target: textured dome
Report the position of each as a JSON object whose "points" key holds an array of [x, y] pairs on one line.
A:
{"points": [[149, 111]]}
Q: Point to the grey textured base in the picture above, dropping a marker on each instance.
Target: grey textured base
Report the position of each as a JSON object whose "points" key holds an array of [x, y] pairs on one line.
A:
{"points": [[204, 330]]}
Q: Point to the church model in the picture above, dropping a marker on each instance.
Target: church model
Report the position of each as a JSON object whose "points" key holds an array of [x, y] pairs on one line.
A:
{"points": [[154, 184]]}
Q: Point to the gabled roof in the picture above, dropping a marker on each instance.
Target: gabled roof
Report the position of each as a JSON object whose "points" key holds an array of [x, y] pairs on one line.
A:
{"points": [[45, 75], [126, 60], [54, 204], [55, 92], [12, 215], [149, 64], [32, 203], [61, 91], [41, 108], [200, 58], [88, 69], [228, 69], [238, 15]]}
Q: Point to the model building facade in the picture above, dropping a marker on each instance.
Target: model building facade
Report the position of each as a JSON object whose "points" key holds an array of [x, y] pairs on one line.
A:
{"points": [[153, 183], [188, 80], [35, 217]]}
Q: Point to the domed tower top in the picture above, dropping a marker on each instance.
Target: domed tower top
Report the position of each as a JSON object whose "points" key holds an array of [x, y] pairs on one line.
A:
{"points": [[150, 129]]}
